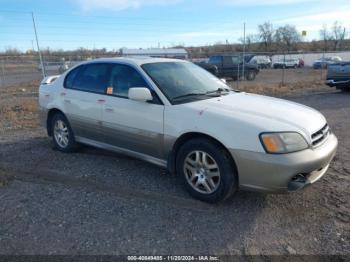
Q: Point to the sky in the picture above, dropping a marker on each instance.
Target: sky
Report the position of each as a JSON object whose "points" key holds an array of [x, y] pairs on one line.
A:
{"points": [[114, 24]]}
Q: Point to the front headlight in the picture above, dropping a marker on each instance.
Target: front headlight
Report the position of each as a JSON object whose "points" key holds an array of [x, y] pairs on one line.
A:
{"points": [[284, 142]]}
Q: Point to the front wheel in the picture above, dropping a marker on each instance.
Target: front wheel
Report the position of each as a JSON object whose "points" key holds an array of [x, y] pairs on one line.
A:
{"points": [[206, 170], [343, 89]]}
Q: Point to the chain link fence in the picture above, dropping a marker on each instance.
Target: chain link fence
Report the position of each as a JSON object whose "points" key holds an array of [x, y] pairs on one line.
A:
{"points": [[277, 70]]}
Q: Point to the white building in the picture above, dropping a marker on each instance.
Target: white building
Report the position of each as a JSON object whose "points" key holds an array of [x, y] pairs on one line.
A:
{"points": [[179, 53]]}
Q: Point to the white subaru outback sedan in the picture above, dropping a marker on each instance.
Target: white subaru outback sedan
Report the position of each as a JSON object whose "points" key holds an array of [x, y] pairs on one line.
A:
{"points": [[177, 115]]}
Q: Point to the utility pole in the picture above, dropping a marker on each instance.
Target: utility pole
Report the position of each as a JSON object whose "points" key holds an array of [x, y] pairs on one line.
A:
{"points": [[243, 52], [37, 44]]}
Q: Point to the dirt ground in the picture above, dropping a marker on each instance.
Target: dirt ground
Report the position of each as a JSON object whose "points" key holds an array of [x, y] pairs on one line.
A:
{"points": [[97, 202]]}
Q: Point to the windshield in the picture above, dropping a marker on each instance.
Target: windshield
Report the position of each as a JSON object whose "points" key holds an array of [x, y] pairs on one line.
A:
{"points": [[184, 81]]}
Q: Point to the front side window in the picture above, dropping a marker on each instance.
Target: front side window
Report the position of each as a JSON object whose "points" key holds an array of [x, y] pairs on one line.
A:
{"points": [[215, 60], [181, 80], [92, 78], [122, 78]]}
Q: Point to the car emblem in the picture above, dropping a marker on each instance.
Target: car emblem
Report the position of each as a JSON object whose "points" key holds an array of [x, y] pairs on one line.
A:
{"points": [[324, 132]]}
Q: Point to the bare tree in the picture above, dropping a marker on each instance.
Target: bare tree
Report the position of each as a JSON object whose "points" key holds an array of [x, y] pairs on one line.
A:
{"points": [[338, 34], [12, 50], [249, 40], [326, 37], [265, 34], [287, 37]]}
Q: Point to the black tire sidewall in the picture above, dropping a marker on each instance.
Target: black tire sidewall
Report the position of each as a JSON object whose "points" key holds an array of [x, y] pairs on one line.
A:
{"points": [[71, 140], [228, 177]]}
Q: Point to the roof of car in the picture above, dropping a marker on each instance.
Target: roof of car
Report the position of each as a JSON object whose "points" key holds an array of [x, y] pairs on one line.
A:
{"points": [[137, 60]]}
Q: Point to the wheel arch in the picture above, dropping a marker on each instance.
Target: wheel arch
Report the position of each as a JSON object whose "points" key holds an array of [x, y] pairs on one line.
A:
{"points": [[50, 114], [189, 136]]}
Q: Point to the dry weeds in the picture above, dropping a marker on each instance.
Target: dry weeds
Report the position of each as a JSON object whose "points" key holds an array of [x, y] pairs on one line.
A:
{"points": [[279, 89], [19, 107]]}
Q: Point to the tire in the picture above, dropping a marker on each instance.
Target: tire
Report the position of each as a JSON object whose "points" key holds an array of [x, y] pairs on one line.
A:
{"points": [[61, 128], [223, 182], [250, 76], [343, 89]]}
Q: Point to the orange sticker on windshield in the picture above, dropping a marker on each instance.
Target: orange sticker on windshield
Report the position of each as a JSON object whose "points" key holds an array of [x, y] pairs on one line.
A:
{"points": [[109, 90]]}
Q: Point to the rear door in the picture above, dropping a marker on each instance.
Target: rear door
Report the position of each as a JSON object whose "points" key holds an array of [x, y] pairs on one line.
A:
{"points": [[83, 98], [128, 124], [231, 66]]}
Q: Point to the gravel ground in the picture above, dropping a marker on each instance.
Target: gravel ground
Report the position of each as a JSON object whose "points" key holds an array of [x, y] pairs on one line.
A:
{"points": [[97, 202]]}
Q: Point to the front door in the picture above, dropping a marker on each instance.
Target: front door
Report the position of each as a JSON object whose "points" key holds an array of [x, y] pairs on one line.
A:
{"points": [[128, 124]]}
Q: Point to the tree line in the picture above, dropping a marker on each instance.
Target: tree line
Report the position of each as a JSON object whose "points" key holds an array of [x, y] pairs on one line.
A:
{"points": [[283, 39]]}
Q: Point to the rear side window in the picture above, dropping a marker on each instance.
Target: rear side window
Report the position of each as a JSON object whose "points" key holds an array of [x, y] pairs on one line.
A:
{"points": [[91, 78], [235, 60], [68, 82]]}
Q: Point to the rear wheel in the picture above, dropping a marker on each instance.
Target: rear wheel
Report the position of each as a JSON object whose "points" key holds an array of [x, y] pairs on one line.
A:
{"points": [[206, 170], [62, 134]]}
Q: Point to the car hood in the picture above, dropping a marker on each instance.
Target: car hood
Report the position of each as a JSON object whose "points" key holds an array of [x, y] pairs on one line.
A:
{"points": [[267, 110]]}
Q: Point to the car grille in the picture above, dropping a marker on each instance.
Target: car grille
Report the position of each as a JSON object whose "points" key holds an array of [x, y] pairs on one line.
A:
{"points": [[321, 135]]}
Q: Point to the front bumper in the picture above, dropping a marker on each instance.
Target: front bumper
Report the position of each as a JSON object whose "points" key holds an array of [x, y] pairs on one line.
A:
{"points": [[278, 173], [332, 82]]}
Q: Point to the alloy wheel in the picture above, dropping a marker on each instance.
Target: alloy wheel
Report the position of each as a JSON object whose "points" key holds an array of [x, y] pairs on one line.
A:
{"points": [[202, 172], [61, 133]]}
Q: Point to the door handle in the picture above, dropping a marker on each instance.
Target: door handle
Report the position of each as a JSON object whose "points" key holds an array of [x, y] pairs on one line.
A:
{"points": [[101, 101], [67, 101], [109, 110]]}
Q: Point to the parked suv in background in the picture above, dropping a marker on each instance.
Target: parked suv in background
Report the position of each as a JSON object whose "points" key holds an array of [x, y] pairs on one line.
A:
{"points": [[338, 75], [230, 66], [286, 63], [175, 114], [261, 61], [324, 62]]}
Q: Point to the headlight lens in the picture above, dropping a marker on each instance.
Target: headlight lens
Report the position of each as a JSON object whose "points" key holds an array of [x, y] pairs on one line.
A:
{"points": [[284, 142]]}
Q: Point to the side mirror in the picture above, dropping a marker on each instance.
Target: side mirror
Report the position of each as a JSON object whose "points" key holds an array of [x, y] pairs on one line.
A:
{"points": [[141, 94], [223, 80]]}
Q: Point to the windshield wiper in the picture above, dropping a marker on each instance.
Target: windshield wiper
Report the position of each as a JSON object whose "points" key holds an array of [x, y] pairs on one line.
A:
{"points": [[218, 91], [189, 95]]}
